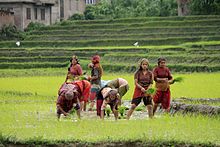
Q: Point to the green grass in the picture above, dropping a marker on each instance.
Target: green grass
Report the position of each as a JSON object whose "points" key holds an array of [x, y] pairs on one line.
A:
{"points": [[27, 106], [196, 85], [72, 26], [28, 122]]}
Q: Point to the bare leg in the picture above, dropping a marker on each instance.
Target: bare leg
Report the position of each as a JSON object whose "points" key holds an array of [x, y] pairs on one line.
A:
{"points": [[85, 103], [167, 110], [58, 117], [78, 113], [115, 114], [92, 105], [150, 111], [155, 108], [81, 105], [130, 111]]}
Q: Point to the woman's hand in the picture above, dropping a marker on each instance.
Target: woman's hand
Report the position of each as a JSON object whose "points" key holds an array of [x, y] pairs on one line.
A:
{"points": [[143, 90]]}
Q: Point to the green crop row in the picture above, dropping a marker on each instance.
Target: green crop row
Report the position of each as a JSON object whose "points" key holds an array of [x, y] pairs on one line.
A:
{"points": [[141, 19], [133, 30], [114, 67], [200, 45], [174, 58], [109, 42], [117, 36], [27, 65], [136, 24]]}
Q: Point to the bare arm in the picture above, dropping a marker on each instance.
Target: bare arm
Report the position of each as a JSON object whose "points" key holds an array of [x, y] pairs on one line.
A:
{"points": [[61, 109], [138, 85], [104, 104]]}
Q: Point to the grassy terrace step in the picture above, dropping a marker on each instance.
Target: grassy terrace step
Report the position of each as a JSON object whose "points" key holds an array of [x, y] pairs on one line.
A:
{"points": [[181, 57], [118, 36], [177, 58], [109, 42], [212, 47], [35, 59], [200, 45], [27, 65], [46, 52], [145, 19], [132, 30], [120, 67], [71, 25]]}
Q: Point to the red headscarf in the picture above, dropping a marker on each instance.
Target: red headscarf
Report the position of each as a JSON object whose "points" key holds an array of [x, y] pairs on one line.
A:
{"points": [[95, 59]]}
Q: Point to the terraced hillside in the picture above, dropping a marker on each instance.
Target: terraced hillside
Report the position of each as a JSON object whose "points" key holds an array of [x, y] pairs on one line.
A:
{"points": [[191, 44]]}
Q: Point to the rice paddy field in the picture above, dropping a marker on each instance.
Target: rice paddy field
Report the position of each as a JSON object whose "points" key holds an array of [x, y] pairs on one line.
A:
{"points": [[31, 74], [28, 115]]}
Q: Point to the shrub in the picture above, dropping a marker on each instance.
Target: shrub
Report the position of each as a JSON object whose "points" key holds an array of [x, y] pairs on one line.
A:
{"points": [[89, 12], [10, 32], [77, 16], [34, 26]]}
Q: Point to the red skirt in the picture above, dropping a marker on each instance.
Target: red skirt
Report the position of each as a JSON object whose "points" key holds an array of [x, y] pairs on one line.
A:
{"points": [[162, 97], [138, 92]]}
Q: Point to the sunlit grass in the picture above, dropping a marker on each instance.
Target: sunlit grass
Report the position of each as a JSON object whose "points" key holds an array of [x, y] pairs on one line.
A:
{"points": [[196, 85], [28, 113], [28, 121]]}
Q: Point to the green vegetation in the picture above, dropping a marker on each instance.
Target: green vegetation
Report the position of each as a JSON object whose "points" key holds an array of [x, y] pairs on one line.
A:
{"points": [[10, 32], [190, 44], [28, 114], [136, 8], [31, 74], [35, 123], [198, 85]]}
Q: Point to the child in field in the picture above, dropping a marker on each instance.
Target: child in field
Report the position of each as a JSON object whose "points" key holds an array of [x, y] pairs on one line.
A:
{"points": [[75, 70], [108, 96], [111, 94], [163, 79], [95, 79], [143, 81]]}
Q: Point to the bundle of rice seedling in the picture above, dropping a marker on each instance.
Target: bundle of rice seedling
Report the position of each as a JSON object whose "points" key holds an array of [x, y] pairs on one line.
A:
{"points": [[150, 91], [178, 79], [83, 77], [108, 111], [121, 110]]}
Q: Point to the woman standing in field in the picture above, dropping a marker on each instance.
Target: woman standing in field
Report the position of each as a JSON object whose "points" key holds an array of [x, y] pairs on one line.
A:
{"points": [[163, 78], [143, 81], [74, 71], [95, 79]]}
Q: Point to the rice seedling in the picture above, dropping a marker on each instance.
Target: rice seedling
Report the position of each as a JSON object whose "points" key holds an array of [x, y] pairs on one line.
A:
{"points": [[178, 79], [150, 91]]}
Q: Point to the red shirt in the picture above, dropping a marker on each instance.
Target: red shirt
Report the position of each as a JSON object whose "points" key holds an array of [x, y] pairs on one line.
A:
{"points": [[76, 70], [144, 80], [160, 72]]}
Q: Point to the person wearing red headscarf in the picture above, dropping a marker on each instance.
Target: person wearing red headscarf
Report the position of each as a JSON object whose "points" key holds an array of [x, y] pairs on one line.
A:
{"points": [[95, 79], [163, 78]]}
